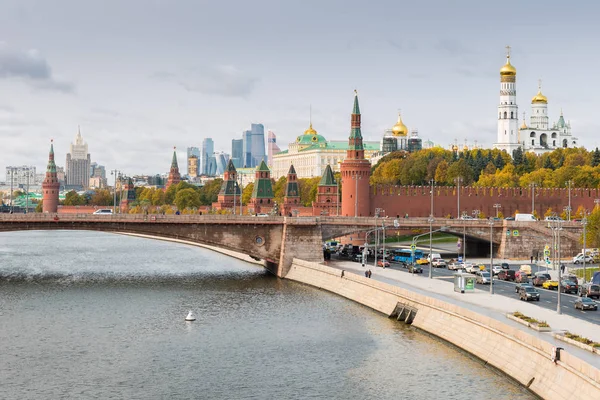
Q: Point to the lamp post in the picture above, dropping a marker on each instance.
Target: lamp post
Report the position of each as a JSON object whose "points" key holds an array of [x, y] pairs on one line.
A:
{"points": [[115, 172], [556, 226], [430, 220], [337, 197], [377, 212], [357, 178], [532, 185], [491, 256], [458, 180], [570, 182], [27, 193], [464, 244], [497, 206], [584, 222], [567, 210], [12, 173]]}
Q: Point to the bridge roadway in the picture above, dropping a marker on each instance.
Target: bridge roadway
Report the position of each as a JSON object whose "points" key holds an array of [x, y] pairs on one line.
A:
{"points": [[278, 239]]}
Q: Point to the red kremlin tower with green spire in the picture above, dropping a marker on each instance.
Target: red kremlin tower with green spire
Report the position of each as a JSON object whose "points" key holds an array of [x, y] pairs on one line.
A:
{"points": [[292, 192], [174, 176], [356, 171], [230, 193], [50, 186], [327, 195], [262, 194]]}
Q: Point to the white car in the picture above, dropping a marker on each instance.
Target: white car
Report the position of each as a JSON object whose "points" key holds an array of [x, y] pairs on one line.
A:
{"points": [[496, 269], [578, 259], [438, 263], [470, 268], [483, 277], [103, 211], [455, 266], [466, 217]]}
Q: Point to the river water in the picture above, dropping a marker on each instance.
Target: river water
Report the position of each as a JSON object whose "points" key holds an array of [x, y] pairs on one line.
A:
{"points": [[86, 315]]}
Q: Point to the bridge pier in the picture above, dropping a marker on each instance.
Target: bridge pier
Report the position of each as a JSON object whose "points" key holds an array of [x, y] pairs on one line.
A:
{"points": [[300, 239]]}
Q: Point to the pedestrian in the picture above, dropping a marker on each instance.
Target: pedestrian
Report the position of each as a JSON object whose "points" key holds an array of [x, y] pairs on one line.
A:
{"points": [[531, 260], [366, 273], [562, 268], [370, 273], [342, 273]]}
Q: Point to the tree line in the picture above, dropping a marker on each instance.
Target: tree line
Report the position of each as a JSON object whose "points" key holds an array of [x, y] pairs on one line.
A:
{"points": [[490, 168]]}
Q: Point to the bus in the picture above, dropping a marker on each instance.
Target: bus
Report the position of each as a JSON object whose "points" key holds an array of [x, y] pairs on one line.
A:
{"points": [[406, 256]]}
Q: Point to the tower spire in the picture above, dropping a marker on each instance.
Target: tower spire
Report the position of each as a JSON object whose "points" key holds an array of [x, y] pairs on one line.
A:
{"points": [[50, 186]]}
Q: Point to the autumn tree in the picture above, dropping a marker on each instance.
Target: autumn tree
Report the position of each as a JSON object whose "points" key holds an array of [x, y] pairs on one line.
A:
{"points": [[187, 198]]}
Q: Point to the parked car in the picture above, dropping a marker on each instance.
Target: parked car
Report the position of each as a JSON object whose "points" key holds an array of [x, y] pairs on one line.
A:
{"points": [[569, 286], [438, 263], [483, 277], [590, 290], [522, 285], [103, 211], [529, 293], [383, 263], [585, 303], [509, 218], [467, 217], [550, 284], [415, 269]]}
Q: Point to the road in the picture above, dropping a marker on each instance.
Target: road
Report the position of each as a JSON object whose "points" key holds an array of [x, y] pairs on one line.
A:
{"points": [[548, 298]]}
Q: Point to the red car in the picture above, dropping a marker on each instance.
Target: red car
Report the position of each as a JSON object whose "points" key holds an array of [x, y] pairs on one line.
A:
{"points": [[383, 264]]}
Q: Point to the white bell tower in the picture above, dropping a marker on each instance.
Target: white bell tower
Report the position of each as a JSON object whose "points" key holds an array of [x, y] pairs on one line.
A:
{"points": [[508, 118]]}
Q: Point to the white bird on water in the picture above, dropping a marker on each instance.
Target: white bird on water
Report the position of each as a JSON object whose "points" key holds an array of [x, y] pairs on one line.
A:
{"points": [[190, 316]]}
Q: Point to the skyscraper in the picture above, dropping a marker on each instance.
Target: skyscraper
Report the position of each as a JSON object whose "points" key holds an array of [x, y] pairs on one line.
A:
{"points": [[78, 164], [222, 159], [247, 149], [272, 147], [192, 165], [208, 148], [237, 149], [258, 144]]}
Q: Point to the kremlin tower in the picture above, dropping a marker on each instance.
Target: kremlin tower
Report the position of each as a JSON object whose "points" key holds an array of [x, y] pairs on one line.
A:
{"points": [[508, 118], [174, 176], [292, 192], [50, 186], [356, 171]]}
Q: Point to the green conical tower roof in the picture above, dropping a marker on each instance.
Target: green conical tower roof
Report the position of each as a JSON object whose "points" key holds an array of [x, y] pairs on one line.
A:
{"points": [[263, 167], [356, 109], [174, 161], [292, 170], [230, 166], [328, 179], [51, 164]]}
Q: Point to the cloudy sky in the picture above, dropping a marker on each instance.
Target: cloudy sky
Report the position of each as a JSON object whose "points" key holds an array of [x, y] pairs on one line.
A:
{"points": [[142, 76]]}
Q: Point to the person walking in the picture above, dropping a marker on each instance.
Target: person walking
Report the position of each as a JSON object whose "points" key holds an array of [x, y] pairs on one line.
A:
{"points": [[531, 260], [366, 273], [370, 273]]}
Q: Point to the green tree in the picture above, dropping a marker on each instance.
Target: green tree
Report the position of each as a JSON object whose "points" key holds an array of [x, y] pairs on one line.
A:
{"points": [[279, 189], [595, 158], [40, 207], [73, 199], [441, 173], [101, 197], [187, 198], [247, 193], [209, 193], [158, 197], [462, 169]]}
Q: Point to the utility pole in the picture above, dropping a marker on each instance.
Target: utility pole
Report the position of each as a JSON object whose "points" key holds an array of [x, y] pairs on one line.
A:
{"points": [[584, 222], [115, 172], [491, 256], [458, 180], [12, 173], [569, 209], [497, 206], [532, 197], [430, 220]]}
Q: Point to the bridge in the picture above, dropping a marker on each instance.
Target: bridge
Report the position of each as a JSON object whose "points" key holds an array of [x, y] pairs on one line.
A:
{"points": [[277, 240]]}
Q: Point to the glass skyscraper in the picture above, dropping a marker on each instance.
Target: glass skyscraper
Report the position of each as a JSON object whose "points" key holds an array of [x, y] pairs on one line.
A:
{"points": [[208, 148], [258, 144], [237, 151]]}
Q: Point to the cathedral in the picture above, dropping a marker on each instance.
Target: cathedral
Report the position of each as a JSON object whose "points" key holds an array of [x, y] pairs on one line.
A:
{"points": [[537, 136]]}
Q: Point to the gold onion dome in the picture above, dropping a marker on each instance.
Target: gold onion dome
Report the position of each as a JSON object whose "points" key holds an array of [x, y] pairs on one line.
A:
{"points": [[399, 129], [310, 130], [508, 69], [539, 98], [524, 125]]}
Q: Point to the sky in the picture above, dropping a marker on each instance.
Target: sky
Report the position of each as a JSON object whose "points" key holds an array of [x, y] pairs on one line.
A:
{"points": [[140, 77]]}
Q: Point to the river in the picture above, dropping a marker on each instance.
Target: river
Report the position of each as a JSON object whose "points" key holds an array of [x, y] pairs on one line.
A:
{"points": [[88, 315]]}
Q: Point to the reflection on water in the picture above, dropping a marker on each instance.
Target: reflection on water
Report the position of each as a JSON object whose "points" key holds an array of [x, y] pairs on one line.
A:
{"points": [[93, 315]]}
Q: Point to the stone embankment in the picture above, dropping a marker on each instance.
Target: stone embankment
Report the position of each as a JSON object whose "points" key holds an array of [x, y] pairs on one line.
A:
{"points": [[521, 355]]}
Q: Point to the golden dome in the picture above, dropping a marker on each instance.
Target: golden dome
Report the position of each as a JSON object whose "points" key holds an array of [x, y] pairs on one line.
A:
{"points": [[508, 69], [310, 130], [524, 125], [539, 98], [399, 129]]}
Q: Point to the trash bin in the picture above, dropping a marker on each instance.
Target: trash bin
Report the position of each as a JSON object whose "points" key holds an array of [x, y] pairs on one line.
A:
{"points": [[464, 283]]}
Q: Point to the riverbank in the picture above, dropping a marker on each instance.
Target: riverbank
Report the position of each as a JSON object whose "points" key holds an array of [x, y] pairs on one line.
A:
{"points": [[484, 332]]}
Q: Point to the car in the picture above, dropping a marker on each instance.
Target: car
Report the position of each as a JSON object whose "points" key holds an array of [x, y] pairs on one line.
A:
{"points": [[496, 269], [455, 266], [505, 266], [526, 268], [438, 263], [509, 218], [467, 217], [471, 268], [590, 290], [103, 211], [521, 276], [433, 256], [262, 215], [585, 303], [422, 261], [578, 259], [529, 293], [383, 263], [539, 280], [550, 284], [509, 275], [502, 275], [569, 286], [483, 277], [521, 285], [553, 218], [357, 257], [415, 269]]}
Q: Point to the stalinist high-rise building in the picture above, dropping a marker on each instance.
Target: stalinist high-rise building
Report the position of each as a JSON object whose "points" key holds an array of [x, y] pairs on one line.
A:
{"points": [[78, 164]]}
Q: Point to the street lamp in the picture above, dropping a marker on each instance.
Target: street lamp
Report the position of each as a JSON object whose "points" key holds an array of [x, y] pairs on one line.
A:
{"points": [[567, 210], [115, 172], [570, 182], [556, 226], [12, 173], [27, 194], [491, 222], [532, 185], [497, 206], [458, 180], [430, 220], [414, 242], [584, 222], [356, 178]]}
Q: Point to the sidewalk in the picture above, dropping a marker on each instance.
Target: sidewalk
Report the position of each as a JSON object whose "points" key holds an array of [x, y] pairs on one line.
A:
{"points": [[494, 306]]}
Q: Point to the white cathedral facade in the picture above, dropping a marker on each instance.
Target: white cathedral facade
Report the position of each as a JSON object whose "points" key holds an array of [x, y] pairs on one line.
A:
{"points": [[539, 136]]}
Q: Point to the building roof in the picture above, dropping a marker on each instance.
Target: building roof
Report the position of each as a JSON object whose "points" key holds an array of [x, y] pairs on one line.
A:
{"points": [[174, 161], [292, 170], [328, 179], [263, 167]]}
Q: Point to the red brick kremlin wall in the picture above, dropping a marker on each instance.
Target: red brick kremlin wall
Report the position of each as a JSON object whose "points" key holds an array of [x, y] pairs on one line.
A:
{"points": [[415, 200]]}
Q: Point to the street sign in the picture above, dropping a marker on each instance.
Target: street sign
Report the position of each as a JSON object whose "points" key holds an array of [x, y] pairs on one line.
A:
{"points": [[396, 223], [458, 243], [459, 258], [413, 247], [515, 233], [508, 232], [548, 261]]}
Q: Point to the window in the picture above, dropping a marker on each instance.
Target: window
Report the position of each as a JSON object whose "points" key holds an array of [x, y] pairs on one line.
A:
{"points": [[533, 142], [504, 114], [511, 115]]}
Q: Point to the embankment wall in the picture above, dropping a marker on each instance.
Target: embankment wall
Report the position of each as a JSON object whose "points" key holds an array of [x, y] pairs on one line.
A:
{"points": [[522, 356]]}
